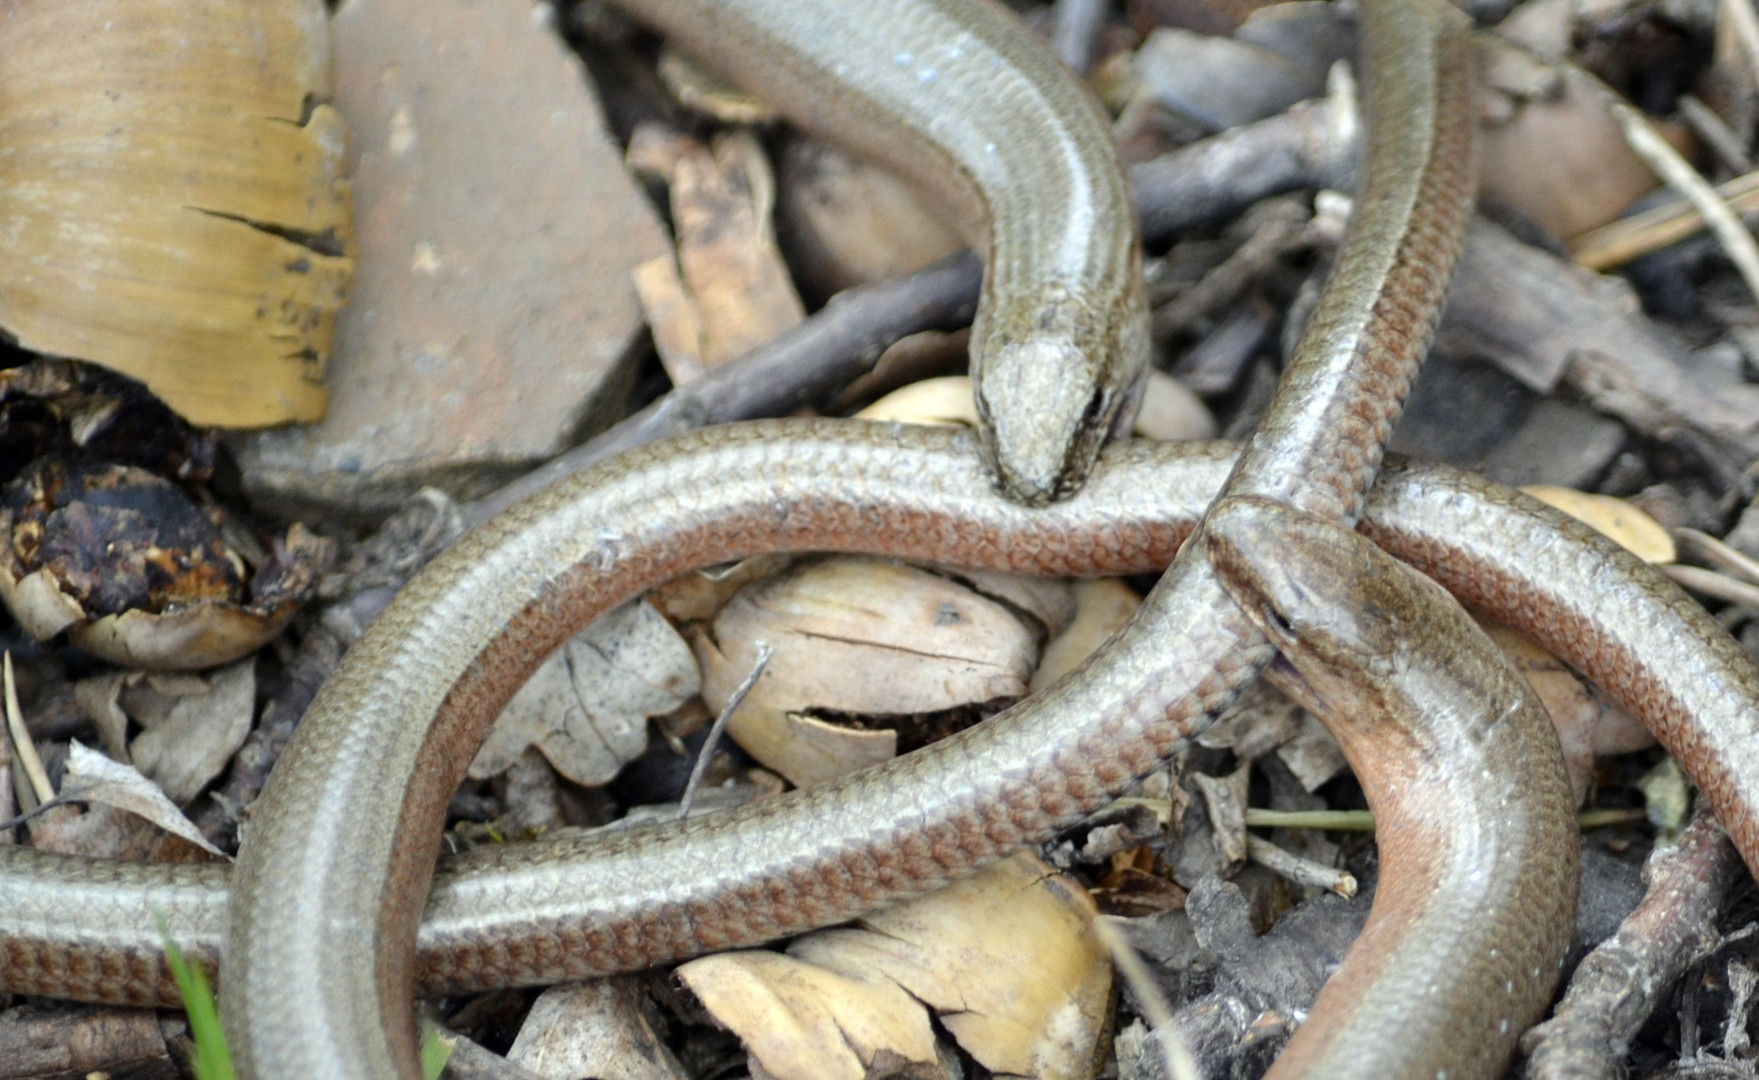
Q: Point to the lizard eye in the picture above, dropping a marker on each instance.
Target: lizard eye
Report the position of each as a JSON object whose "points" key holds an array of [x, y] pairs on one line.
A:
{"points": [[1274, 619]]}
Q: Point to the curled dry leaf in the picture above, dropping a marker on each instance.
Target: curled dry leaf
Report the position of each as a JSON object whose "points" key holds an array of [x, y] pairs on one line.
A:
{"points": [[586, 708], [944, 401], [859, 636], [136, 573], [1634, 530], [735, 292], [174, 198], [1006, 958], [1170, 412], [1102, 606], [92, 777], [802, 1022]]}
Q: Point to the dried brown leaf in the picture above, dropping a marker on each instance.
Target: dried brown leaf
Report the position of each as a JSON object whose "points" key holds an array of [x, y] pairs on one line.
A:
{"points": [[586, 708]]}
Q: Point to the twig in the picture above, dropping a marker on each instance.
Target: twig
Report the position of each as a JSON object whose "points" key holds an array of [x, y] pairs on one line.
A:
{"points": [[1715, 585], [1298, 870], [1156, 1010], [1618, 985], [1716, 133], [1739, 17], [1280, 229], [1337, 820], [734, 700], [1678, 174], [41, 791], [1618, 242], [806, 363], [1075, 27], [1727, 559]]}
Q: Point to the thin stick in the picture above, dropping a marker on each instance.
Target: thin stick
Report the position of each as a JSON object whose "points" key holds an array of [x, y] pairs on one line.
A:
{"points": [[734, 700], [1714, 585], [1677, 173], [1156, 1010], [1298, 870], [1727, 559]]}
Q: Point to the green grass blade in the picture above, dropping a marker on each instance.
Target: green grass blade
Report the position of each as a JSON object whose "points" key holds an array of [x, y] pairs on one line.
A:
{"points": [[212, 1060]]}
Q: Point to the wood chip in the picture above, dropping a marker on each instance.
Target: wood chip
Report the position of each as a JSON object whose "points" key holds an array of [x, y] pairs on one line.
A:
{"points": [[731, 291]]}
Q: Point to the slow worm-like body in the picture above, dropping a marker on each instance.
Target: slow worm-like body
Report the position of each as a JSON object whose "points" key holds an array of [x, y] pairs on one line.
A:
{"points": [[957, 95], [1473, 811], [326, 897], [540, 913]]}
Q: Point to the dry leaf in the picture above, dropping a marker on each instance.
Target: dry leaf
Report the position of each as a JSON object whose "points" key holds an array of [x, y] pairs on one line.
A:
{"points": [[944, 401], [735, 292], [92, 777], [1587, 725], [586, 708], [598, 1029], [173, 197], [1169, 411], [802, 1022], [1050, 602], [1007, 958], [861, 636], [1312, 755], [192, 732], [1634, 530], [1554, 153]]}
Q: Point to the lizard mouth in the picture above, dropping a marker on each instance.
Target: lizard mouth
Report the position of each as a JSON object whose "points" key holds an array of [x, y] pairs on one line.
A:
{"points": [[1291, 682]]}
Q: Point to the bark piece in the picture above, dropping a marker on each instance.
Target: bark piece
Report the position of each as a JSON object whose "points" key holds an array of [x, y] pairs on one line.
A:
{"points": [[81, 1044], [174, 198]]}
